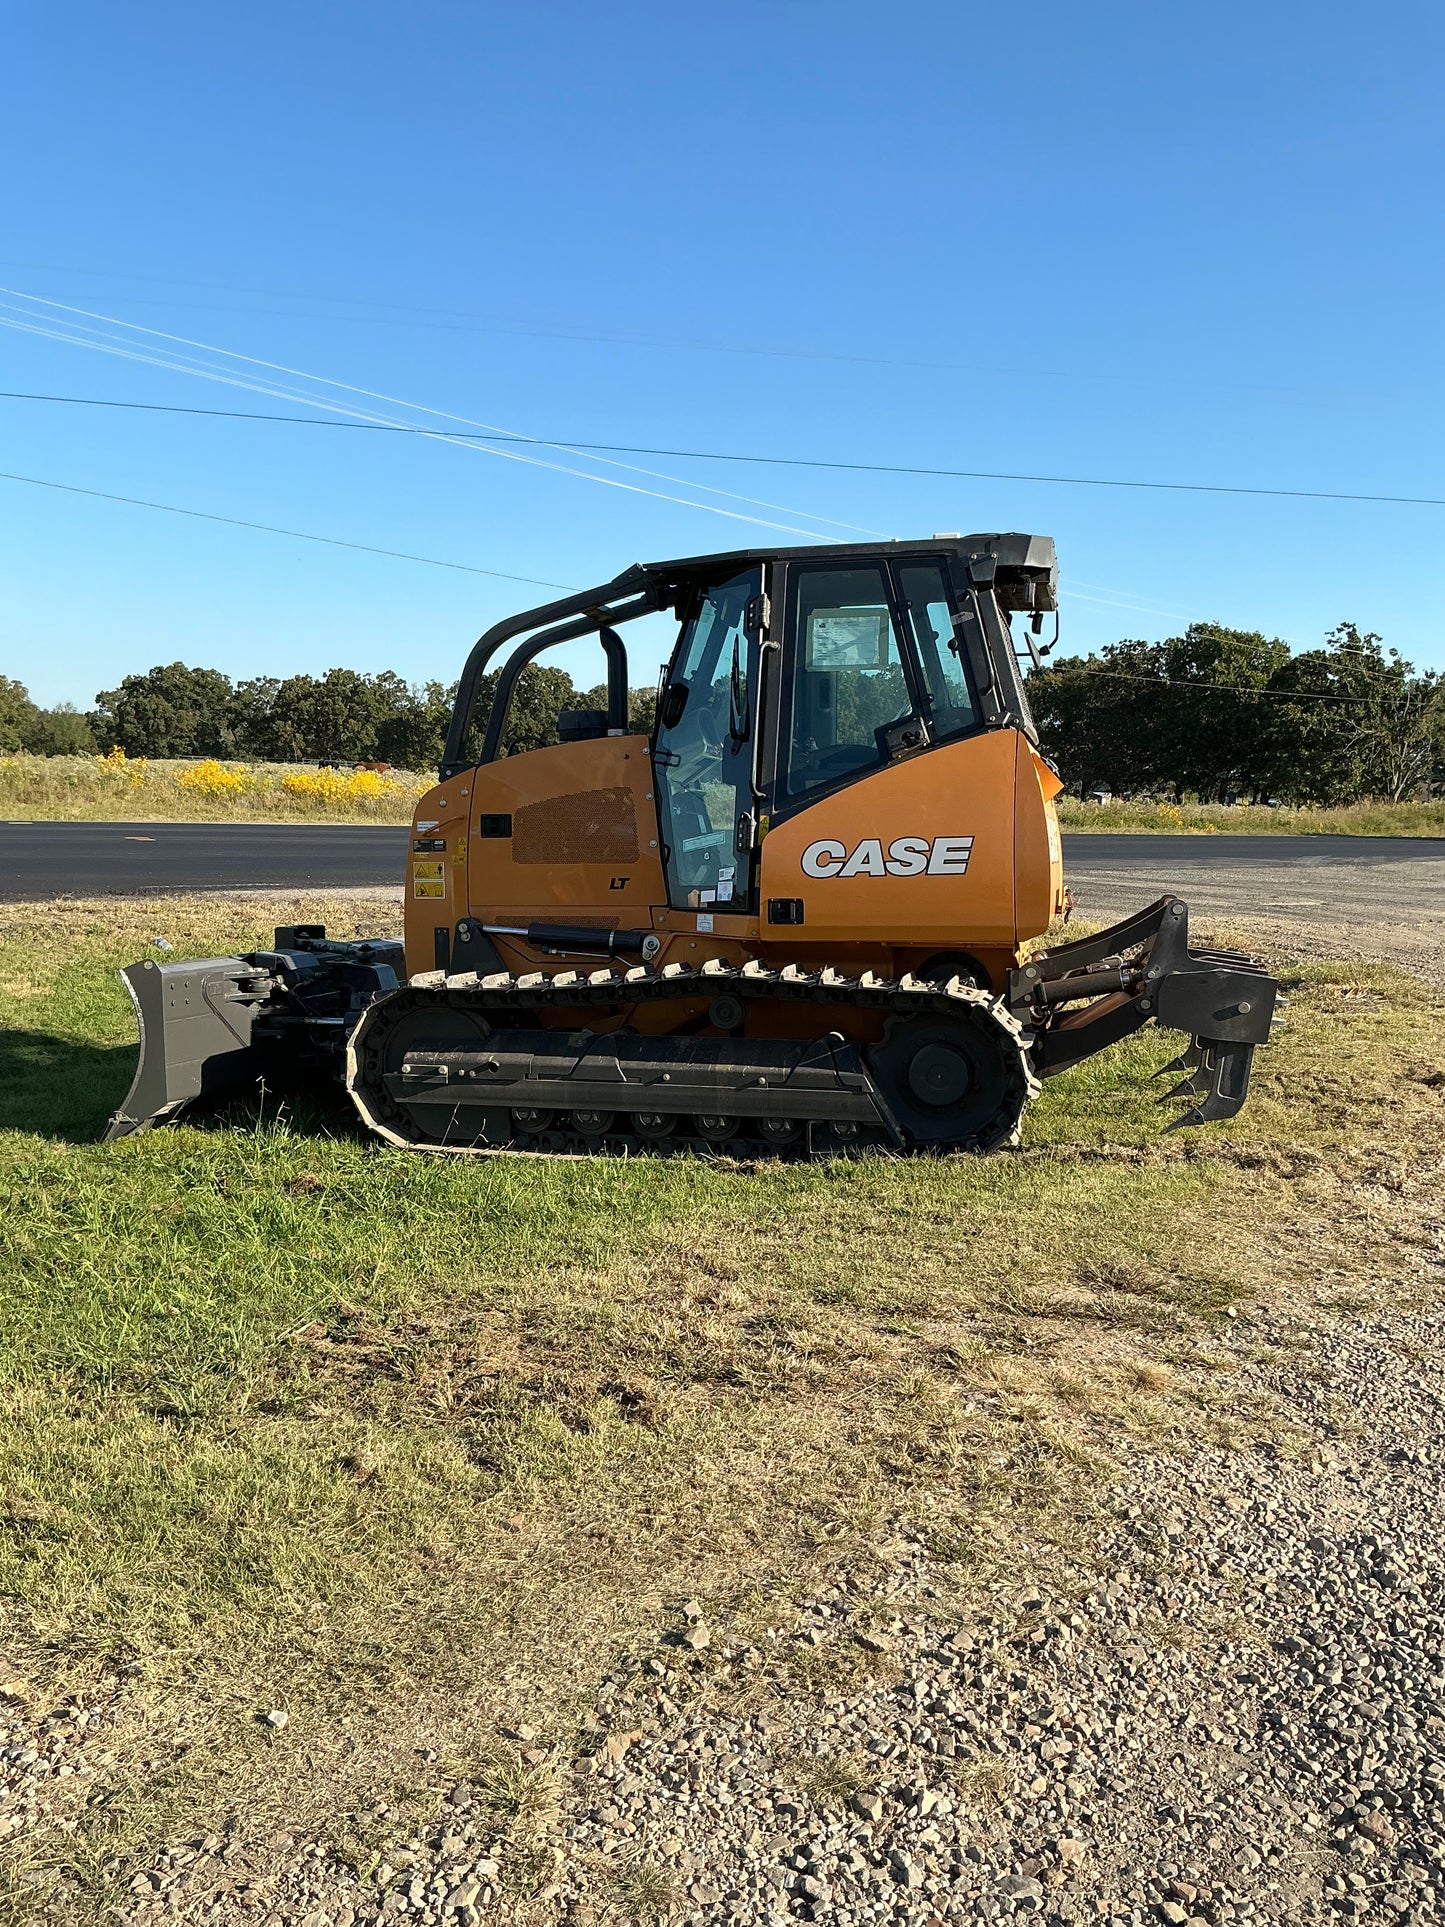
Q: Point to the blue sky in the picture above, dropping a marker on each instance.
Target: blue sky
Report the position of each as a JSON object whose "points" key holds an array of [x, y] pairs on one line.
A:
{"points": [[1131, 242]]}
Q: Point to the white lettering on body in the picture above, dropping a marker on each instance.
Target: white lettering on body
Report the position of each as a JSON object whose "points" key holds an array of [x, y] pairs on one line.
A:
{"points": [[907, 856], [823, 859]]}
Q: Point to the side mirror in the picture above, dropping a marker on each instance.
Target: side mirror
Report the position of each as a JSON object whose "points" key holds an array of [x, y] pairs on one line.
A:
{"points": [[673, 703]]}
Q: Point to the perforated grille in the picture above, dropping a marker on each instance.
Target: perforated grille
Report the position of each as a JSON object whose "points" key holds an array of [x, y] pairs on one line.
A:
{"points": [[590, 826]]}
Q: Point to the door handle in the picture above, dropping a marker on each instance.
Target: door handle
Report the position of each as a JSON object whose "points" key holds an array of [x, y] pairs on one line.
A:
{"points": [[755, 773]]}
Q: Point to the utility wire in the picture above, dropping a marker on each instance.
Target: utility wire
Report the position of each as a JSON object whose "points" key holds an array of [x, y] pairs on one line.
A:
{"points": [[453, 320], [269, 528], [402, 555], [1224, 688], [75, 334], [460, 438], [767, 461], [539, 582]]}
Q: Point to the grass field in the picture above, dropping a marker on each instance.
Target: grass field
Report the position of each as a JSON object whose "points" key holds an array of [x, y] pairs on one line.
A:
{"points": [[405, 1445], [116, 788]]}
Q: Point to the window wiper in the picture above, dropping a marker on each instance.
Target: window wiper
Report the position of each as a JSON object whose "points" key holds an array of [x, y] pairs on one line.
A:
{"points": [[737, 699]]}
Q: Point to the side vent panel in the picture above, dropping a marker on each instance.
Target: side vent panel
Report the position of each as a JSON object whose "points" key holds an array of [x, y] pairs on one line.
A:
{"points": [[590, 826]]}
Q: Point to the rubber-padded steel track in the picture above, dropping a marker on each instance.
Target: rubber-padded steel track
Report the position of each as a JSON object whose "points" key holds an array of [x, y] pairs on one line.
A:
{"points": [[919, 1097]]}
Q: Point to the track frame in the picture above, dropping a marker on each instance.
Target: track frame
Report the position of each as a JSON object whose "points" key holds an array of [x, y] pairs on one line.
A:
{"points": [[854, 1109]]}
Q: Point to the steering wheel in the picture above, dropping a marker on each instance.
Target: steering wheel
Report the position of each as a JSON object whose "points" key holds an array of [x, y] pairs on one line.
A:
{"points": [[701, 758], [842, 758]]}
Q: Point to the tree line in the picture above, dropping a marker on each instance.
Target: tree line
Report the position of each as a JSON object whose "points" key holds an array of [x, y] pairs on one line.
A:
{"points": [[1213, 713], [342, 717], [1222, 713]]}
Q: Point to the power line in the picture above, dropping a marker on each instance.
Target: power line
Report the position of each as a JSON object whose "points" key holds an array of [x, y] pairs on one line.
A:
{"points": [[268, 528], [539, 582], [333, 541], [48, 327], [766, 461], [1225, 688], [457, 320]]}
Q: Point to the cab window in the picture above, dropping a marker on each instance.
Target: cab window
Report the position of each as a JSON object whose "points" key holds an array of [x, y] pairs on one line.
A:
{"points": [[924, 593], [848, 685]]}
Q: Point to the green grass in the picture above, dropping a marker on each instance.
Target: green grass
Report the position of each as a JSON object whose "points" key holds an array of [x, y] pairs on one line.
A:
{"points": [[293, 1416], [1219, 819]]}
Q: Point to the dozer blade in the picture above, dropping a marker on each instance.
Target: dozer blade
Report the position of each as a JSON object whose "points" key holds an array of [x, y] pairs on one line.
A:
{"points": [[1222, 1082], [195, 1036], [220, 1024]]}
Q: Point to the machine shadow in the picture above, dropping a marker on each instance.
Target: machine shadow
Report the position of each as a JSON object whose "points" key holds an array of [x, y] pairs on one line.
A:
{"points": [[59, 1088]]}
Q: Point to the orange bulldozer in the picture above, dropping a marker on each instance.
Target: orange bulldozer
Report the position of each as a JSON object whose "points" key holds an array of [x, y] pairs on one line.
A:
{"points": [[795, 917]]}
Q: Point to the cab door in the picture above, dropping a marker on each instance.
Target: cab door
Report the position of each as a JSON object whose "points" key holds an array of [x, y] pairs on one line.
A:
{"points": [[892, 808], [703, 754]]}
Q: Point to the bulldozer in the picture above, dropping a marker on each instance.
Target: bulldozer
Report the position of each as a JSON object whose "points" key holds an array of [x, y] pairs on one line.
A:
{"points": [[794, 918]]}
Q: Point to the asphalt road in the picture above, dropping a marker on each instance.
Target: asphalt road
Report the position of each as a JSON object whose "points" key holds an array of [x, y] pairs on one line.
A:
{"points": [[40, 860], [1329, 896]]}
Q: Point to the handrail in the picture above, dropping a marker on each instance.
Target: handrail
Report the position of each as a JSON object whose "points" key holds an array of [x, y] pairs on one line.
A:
{"points": [[528, 651], [487, 645]]}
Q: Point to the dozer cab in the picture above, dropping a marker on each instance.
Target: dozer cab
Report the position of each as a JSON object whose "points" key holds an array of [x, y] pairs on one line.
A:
{"points": [[795, 918]]}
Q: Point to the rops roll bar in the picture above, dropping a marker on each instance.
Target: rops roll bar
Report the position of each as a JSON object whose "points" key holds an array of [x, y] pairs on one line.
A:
{"points": [[593, 610]]}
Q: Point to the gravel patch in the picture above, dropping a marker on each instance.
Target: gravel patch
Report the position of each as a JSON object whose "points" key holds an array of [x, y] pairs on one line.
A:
{"points": [[1393, 911], [1232, 1709], [41, 1756]]}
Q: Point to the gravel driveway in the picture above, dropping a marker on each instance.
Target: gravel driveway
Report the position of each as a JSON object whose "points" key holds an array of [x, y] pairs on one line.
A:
{"points": [[1228, 1705]]}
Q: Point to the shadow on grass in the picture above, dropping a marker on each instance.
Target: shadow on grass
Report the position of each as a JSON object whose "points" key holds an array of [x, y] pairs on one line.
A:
{"points": [[60, 1087], [64, 1089]]}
